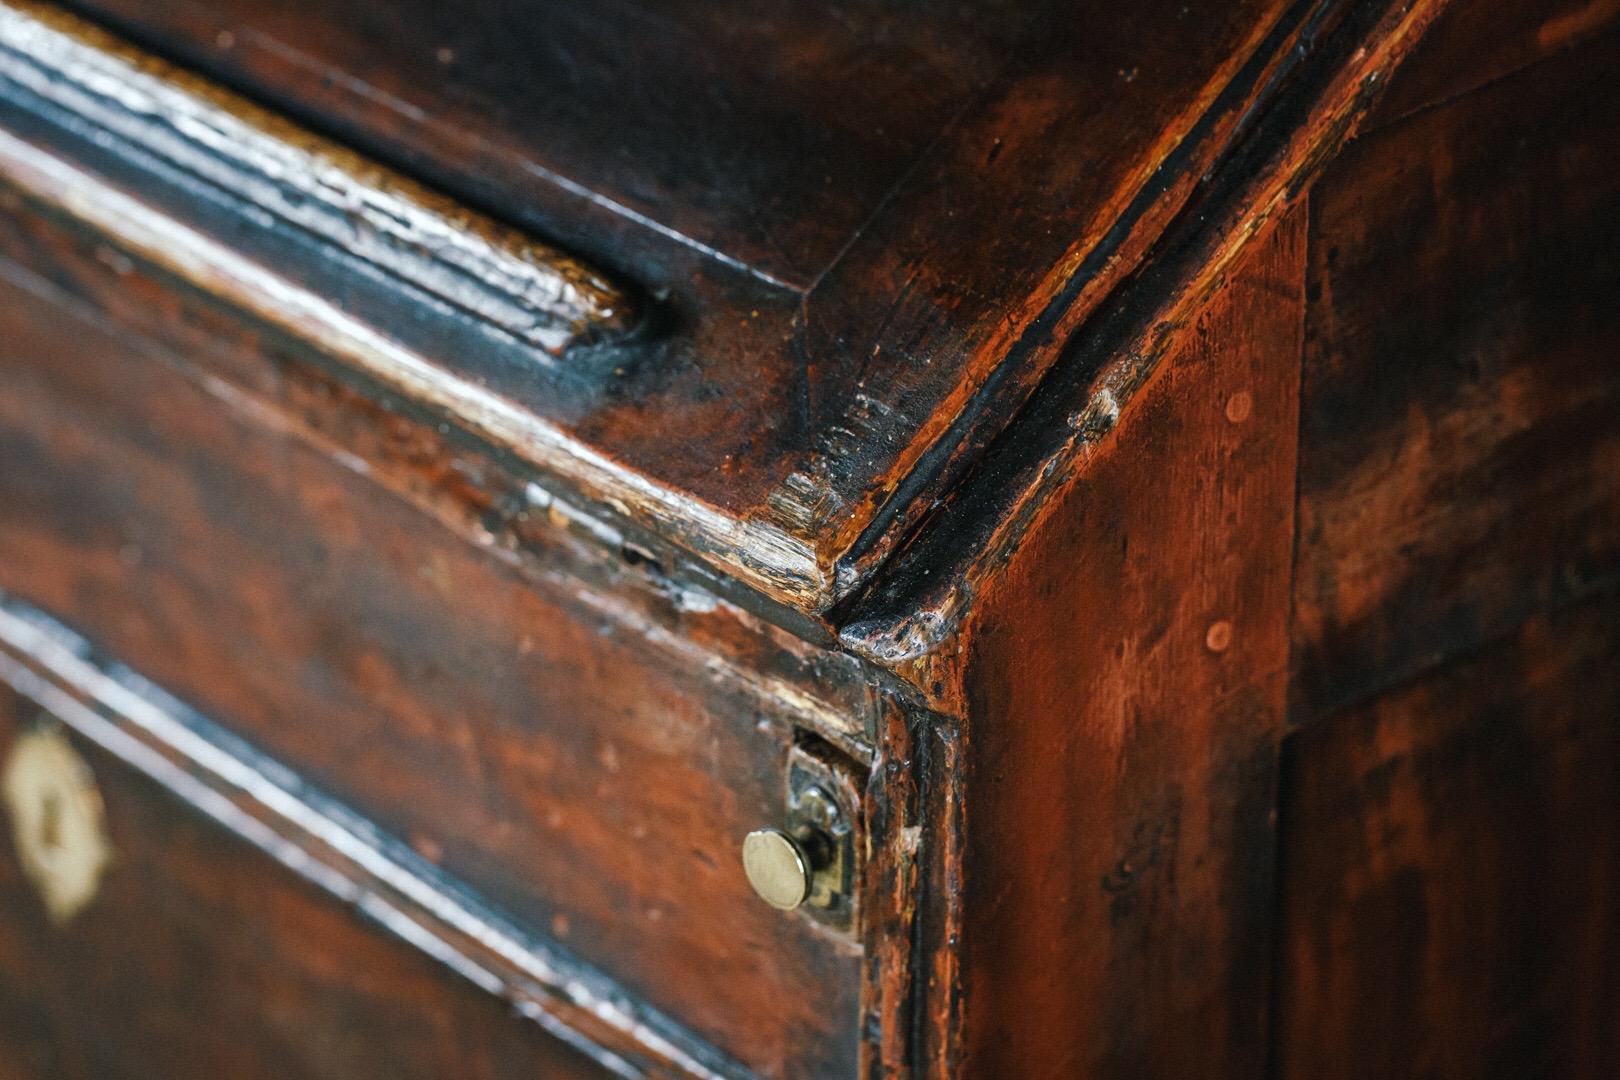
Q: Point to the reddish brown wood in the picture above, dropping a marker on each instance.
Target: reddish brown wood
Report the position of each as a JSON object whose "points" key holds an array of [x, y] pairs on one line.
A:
{"points": [[1125, 682], [200, 957], [1479, 41], [959, 444], [1447, 870], [914, 822], [1460, 455], [1451, 859], [908, 620], [588, 774], [537, 522]]}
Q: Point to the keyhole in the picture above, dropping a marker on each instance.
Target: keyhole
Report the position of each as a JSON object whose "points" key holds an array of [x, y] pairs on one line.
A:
{"points": [[50, 822]]}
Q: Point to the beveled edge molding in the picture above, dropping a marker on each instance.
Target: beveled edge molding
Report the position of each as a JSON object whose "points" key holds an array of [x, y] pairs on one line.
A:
{"points": [[62, 69], [292, 178], [760, 556], [909, 620], [267, 805]]}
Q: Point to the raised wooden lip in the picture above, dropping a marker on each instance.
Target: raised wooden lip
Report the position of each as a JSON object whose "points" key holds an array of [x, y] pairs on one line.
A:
{"points": [[265, 804], [537, 294]]}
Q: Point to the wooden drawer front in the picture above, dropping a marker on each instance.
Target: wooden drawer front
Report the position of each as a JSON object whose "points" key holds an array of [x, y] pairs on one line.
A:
{"points": [[198, 956], [587, 773]]}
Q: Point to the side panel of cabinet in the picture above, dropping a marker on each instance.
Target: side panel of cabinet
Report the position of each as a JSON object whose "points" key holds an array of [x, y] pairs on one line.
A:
{"points": [[1126, 681], [1451, 869], [1450, 799], [1459, 462]]}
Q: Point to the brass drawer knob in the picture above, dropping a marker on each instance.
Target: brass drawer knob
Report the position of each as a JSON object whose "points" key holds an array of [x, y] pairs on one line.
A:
{"points": [[809, 864], [805, 866], [778, 867]]}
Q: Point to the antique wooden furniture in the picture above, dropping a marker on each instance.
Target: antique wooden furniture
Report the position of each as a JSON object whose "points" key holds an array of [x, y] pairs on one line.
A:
{"points": [[810, 539]]}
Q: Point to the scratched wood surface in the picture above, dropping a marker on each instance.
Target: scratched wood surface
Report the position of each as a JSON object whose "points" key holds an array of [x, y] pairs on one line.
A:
{"points": [[201, 957], [868, 233], [1123, 431], [1451, 310], [1450, 863], [909, 617]]}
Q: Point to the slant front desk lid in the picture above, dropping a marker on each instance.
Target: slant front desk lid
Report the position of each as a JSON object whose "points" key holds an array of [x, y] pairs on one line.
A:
{"points": [[853, 236]]}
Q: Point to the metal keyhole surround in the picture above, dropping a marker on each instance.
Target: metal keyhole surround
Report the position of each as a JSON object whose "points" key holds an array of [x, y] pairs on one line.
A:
{"points": [[808, 863], [57, 820]]}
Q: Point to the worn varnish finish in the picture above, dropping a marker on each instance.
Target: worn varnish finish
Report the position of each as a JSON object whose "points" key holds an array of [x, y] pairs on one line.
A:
{"points": [[816, 415], [766, 135], [535, 521], [257, 164], [378, 876], [1167, 458], [1448, 816], [1451, 862], [909, 618], [1065, 701]]}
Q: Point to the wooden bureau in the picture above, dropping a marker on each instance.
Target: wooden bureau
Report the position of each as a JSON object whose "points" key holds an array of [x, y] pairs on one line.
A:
{"points": [[810, 540]]}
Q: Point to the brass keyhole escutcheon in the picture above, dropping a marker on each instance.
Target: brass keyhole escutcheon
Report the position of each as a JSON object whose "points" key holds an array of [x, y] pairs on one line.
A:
{"points": [[57, 820]]}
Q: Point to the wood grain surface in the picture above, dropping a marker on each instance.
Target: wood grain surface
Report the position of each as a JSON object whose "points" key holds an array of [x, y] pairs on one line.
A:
{"points": [[1167, 458], [202, 957], [910, 618], [219, 777], [1450, 862], [587, 774], [1460, 456], [943, 198], [1126, 681]]}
